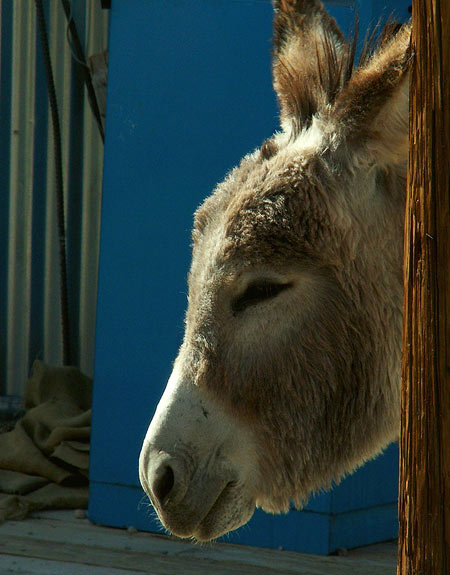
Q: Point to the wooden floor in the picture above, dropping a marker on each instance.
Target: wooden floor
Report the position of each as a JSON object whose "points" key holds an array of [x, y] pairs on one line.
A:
{"points": [[57, 543]]}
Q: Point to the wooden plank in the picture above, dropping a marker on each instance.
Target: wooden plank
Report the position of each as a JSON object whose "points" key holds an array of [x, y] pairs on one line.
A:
{"points": [[139, 562], [13, 565], [424, 501], [77, 541], [168, 565]]}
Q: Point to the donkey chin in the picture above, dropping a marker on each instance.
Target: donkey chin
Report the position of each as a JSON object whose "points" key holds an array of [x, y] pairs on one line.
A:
{"points": [[200, 472]]}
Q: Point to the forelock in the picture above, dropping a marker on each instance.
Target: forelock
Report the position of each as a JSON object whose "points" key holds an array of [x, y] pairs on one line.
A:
{"points": [[274, 198]]}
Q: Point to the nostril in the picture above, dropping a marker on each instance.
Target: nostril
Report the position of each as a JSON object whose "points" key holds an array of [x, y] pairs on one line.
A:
{"points": [[163, 483]]}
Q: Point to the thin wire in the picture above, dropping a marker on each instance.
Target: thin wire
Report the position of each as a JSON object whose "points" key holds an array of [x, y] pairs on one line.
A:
{"points": [[57, 148], [78, 55], [70, 20]]}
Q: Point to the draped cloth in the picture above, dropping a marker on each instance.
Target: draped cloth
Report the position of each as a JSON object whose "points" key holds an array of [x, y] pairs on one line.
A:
{"points": [[44, 460]]}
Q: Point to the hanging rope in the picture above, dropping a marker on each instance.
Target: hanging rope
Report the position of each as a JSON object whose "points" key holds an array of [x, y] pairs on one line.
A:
{"points": [[78, 55], [59, 183]]}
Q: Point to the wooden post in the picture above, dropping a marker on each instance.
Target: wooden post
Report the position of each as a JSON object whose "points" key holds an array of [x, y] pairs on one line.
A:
{"points": [[424, 500]]}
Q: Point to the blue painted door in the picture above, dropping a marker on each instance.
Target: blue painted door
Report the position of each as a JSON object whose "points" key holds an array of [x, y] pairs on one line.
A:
{"points": [[189, 93]]}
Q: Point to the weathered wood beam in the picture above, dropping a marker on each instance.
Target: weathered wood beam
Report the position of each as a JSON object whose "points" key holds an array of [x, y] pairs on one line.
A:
{"points": [[424, 501]]}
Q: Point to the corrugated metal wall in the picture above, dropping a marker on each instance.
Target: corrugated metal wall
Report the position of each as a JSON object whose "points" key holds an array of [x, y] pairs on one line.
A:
{"points": [[30, 324]]}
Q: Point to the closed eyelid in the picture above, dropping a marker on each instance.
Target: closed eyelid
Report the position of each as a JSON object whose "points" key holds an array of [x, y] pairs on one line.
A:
{"points": [[256, 292]]}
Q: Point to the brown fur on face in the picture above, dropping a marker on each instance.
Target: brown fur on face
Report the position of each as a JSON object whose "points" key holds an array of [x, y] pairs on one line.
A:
{"points": [[293, 328], [323, 394], [326, 387]]}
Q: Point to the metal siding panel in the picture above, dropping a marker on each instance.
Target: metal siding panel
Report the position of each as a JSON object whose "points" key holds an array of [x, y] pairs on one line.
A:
{"points": [[39, 207], [29, 266], [75, 184], [6, 21], [96, 40], [60, 57], [20, 185]]}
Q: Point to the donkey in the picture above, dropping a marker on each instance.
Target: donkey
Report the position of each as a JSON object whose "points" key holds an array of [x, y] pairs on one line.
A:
{"points": [[288, 376]]}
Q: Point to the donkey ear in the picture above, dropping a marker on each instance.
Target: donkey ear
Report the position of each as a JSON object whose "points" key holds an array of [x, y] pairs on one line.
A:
{"points": [[307, 60], [372, 111]]}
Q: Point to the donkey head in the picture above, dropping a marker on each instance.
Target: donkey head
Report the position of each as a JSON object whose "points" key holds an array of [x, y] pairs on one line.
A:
{"points": [[288, 375]]}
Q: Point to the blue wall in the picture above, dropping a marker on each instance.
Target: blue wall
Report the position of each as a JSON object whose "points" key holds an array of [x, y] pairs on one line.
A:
{"points": [[189, 93]]}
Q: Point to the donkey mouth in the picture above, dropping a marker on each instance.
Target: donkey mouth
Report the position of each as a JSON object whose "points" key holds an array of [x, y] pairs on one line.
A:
{"points": [[228, 512]]}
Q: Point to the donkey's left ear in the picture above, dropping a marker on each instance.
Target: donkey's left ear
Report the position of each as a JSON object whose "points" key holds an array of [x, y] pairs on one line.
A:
{"points": [[308, 68], [372, 111]]}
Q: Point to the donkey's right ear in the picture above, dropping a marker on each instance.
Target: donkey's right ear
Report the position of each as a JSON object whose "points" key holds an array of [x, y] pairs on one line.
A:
{"points": [[308, 46], [371, 112]]}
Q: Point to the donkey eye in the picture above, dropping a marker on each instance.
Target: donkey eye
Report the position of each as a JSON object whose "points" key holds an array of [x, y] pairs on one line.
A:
{"points": [[258, 292]]}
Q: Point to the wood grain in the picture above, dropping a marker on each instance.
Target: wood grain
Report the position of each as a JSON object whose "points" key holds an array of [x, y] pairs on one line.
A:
{"points": [[424, 502], [61, 544]]}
